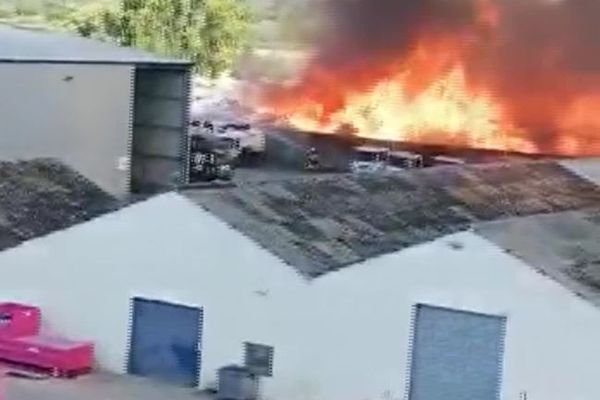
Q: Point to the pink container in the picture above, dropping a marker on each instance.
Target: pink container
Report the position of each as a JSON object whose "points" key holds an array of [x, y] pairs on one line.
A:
{"points": [[60, 355], [18, 320]]}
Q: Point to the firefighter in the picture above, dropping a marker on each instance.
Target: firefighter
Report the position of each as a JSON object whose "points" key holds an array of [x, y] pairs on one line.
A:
{"points": [[312, 159], [209, 126]]}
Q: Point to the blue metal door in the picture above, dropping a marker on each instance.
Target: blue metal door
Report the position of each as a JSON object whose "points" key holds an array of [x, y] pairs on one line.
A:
{"points": [[456, 355], [165, 341]]}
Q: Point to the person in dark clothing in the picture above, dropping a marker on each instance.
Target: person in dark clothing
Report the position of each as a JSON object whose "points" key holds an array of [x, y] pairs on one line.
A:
{"points": [[312, 159]]}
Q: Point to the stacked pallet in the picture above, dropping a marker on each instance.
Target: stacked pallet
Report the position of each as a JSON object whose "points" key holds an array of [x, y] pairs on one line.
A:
{"points": [[23, 347]]}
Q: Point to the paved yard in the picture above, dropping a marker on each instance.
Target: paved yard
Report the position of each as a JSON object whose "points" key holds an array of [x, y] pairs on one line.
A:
{"points": [[98, 387]]}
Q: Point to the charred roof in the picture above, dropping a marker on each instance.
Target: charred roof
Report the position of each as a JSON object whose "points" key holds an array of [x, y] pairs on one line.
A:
{"points": [[563, 246], [321, 224]]}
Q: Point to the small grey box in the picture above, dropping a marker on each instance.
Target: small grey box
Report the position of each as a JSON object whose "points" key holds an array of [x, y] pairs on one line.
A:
{"points": [[258, 358], [237, 383]]}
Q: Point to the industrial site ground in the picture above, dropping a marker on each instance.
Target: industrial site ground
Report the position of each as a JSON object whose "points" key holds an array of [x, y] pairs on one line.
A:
{"points": [[98, 386]]}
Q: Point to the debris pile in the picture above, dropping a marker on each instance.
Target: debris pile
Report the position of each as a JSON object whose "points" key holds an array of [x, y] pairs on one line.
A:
{"points": [[40, 196]]}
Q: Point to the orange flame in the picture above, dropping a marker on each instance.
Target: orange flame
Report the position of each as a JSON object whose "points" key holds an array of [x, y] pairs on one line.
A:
{"points": [[427, 96]]}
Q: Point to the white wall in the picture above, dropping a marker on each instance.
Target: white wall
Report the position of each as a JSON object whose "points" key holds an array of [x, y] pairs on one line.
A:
{"points": [[341, 337], [84, 122]]}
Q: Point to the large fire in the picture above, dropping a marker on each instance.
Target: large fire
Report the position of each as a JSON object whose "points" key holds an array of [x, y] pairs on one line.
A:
{"points": [[453, 87]]}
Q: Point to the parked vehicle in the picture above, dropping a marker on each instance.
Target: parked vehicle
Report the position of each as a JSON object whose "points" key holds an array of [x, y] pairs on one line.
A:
{"points": [[401, 160], [381, 159], [369, 159], [210, 159], [248, 140], [245, 140]]}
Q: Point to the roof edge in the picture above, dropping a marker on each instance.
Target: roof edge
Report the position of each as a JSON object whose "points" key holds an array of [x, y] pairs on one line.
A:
{"points": [[181, 64]]}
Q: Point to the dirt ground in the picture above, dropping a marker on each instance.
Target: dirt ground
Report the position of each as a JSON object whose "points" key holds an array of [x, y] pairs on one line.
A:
{"points": [[98, 387]]}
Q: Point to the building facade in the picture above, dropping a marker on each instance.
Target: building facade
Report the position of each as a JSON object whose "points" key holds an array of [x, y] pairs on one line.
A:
{"points": [[117, 115], [457, 316]]}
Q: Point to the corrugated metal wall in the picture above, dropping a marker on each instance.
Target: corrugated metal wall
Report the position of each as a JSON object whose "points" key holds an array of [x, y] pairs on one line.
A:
{"points": [[77, 113], [160, 125], [456, 355]]}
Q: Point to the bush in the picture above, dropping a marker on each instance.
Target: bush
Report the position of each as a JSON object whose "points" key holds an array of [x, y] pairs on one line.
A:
{"points": [[27, 8], [6, 12], [211, 33], [56, 12]]}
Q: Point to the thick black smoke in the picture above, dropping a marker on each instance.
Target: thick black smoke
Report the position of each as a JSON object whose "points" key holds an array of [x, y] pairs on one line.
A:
{"points": [[546, 56], [359, 31], [541, 56]]}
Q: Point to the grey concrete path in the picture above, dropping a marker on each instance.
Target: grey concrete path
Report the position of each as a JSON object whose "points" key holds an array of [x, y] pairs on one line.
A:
{"points": [[98, 387]]}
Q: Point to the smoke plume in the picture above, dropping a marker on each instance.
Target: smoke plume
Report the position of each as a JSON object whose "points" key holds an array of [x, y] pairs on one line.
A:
{"points": [[537, 57]]}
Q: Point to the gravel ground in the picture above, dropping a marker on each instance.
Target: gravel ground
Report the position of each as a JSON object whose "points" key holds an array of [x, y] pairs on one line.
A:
{"points": [[98, 387]]}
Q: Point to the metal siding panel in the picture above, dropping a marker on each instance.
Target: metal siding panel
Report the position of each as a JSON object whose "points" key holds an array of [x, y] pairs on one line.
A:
{"points": [[157, 111], [127, 166], [160, 142], [157, 173], [165, 342], [185, 135], [162, 84], [456, 355], [160, 130], [78, 114]]}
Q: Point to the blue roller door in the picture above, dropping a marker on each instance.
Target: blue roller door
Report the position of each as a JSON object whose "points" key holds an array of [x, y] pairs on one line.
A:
{"points": [[165, 341], [456, 355]]}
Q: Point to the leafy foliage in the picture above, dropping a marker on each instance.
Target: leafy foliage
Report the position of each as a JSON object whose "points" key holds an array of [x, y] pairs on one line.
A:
{"points": [[225, 31], [209, 32], [94, 21], [25, 7]]}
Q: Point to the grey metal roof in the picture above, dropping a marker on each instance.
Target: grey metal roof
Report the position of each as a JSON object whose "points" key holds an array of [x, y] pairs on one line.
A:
{"points": [[40, 196], [562, 246], [318, 225], [23, 45]]}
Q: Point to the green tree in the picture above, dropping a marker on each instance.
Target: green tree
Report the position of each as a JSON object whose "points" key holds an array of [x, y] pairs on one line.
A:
{"points": [[224, 32], [26, 7], [93, 20], [209, 32]]}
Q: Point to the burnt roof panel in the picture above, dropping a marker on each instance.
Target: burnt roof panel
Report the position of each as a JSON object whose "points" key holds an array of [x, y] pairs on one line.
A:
{"points": [[563, 246], [371, 216]]}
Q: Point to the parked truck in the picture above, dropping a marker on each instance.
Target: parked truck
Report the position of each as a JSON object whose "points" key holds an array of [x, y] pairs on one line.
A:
{"points": [[367, 159], [210, 159], [246, 141]]}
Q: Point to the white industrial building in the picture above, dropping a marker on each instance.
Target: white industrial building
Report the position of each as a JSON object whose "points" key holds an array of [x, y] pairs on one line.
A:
{"points": [[117, 115], [447, 283]]}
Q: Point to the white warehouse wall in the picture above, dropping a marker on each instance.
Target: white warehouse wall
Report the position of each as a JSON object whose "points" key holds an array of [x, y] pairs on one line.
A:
{"points": [[341, 337], [84, 121]]}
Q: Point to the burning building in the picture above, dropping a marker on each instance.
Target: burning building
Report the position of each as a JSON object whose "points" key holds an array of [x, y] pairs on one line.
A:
{"points": [[491, 74]]}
